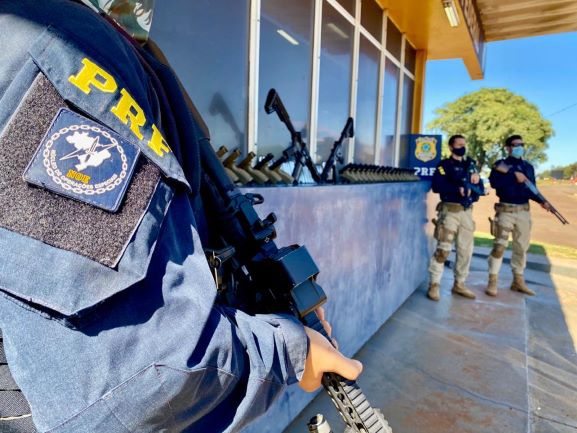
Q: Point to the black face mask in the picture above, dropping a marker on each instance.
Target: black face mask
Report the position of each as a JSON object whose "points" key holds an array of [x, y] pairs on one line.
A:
{"points": [[460, 151]]}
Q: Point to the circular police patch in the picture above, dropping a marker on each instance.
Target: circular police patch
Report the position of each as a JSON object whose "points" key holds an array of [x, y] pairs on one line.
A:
{"points": [[84, 160]]}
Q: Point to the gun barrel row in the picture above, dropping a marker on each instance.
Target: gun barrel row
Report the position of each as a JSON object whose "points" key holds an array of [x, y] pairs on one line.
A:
{"points": [[269, 172]]}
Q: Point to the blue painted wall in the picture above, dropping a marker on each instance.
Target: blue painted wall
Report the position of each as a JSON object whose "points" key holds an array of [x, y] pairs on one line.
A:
{"points": [[369, 241]]}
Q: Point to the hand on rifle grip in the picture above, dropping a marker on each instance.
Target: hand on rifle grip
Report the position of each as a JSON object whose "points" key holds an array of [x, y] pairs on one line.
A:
{"points": [[323, 358]]}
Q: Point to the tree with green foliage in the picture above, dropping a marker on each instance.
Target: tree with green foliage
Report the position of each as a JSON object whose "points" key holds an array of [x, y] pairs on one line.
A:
{"points": [[487, 117]]}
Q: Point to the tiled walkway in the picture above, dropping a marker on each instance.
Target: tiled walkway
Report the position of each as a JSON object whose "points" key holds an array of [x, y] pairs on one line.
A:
{"points": [[493, 365]]}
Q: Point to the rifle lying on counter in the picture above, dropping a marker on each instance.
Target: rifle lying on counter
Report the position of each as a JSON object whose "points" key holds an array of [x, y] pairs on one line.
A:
{"points": [[259, 277]]}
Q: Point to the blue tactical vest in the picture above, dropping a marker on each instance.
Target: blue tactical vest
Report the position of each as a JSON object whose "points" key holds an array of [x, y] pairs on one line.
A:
{"points": [[106, 299]]}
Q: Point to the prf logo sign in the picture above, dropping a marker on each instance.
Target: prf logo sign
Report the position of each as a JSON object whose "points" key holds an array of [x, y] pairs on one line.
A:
{"points": [[424, 154], [426, 148], [83, 160]]}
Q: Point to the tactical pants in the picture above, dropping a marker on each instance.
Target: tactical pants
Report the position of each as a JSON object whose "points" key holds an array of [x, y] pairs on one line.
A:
{"points": [[519, 225], [452, 226]]}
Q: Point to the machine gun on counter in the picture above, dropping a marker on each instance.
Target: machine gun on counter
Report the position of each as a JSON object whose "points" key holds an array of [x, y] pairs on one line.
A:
{"points": [[336, 154], [298, 148]]}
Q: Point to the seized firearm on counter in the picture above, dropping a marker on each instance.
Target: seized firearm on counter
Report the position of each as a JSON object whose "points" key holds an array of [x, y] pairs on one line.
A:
{"points": [[298, 148], [504, 168], [259, 277], [336, 154]]}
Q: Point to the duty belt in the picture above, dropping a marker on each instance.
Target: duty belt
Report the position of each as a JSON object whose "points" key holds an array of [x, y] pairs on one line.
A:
{"points": [[506, 207], [450, 207]]}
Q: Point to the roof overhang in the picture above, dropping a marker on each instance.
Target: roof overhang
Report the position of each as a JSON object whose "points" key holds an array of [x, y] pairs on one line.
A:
{"points": [[510, 19], [427, 28]]}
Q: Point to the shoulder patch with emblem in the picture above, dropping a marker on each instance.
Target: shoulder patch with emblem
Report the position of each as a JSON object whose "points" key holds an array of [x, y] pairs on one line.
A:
{"points": [[441, 170], [83, 160], [94, 188]]}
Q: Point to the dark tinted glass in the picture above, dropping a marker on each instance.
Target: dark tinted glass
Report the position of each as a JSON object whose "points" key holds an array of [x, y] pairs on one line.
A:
{"points": [[406, 120], [349, 5], [285, 64], [367, 92], [410, 57], [389, 121], [335, 79], [372, 18], [394, 39], [211, 62]]}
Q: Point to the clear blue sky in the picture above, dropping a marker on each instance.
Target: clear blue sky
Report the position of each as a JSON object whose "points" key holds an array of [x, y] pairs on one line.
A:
{"points": [[543, 69]]}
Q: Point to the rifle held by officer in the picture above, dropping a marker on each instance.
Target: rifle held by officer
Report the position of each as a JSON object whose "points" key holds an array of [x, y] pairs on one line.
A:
{"points": [[298, 149], [471, 191], [504, 168], [336, 154], [264, 278]]}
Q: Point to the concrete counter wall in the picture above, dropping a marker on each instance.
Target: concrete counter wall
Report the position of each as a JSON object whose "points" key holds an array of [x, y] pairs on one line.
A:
{"points": [[370, 243]]}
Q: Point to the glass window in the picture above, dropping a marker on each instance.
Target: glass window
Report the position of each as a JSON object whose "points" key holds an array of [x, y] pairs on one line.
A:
{"points": [[410, 57], [372, 18], [349, 5], [285, 65], [335, 79], [211, 63], [367, 91], [394, 39], [390, 100], [406, 120]]}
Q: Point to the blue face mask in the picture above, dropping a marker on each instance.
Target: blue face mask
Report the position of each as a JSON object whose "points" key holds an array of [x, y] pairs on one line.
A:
{"points": [[518, 152]]}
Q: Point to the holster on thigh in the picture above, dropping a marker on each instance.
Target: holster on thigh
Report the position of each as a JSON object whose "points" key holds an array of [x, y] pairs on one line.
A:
{"points": [[442, 235], [501, 235]]}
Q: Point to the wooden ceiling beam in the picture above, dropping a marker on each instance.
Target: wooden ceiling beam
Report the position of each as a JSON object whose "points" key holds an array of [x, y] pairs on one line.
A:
{"points": [[488, 7], [508, 34], [531, 22], [536, 24], [545, 12]]}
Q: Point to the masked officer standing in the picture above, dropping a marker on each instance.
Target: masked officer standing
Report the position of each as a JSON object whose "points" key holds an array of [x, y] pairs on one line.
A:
{"points": [[107, 304], [508, 177], [459, 185]]}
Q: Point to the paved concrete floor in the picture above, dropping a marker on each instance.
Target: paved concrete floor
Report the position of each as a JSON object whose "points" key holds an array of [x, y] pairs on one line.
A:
{"points": [[504, 365]]}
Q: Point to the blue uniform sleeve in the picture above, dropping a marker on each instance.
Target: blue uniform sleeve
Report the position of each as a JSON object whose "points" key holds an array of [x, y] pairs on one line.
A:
{"points": [[255, 357], [501, 181]]}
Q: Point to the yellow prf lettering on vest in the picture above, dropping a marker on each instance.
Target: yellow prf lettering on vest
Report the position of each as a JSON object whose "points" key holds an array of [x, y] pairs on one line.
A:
{"points": [[157, 142], [92, 75], [127, 110]]}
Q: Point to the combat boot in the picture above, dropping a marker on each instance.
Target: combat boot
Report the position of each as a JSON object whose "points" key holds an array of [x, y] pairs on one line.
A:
{"points": [[434, 291], [492, 285], [520, 286], [460, 289]]}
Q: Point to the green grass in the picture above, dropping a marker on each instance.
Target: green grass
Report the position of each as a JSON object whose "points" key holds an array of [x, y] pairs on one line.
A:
{"points": [[559, 251]]}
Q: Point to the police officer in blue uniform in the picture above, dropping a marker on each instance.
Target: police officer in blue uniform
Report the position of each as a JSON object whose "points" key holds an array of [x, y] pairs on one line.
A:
{"points": [[458, 184], [512, 214], [107, 303]]}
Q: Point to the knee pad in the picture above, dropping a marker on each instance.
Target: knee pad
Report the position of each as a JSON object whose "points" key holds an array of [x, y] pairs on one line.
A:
{"points": [[441, 255], [498, 251]]}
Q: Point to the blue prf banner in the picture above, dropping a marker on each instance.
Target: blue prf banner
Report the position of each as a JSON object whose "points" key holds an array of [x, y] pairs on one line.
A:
{"points": [[424, 154]]}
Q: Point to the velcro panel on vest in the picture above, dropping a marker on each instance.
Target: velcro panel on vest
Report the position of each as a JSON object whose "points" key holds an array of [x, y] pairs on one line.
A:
{"points": [[51, 218]]}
